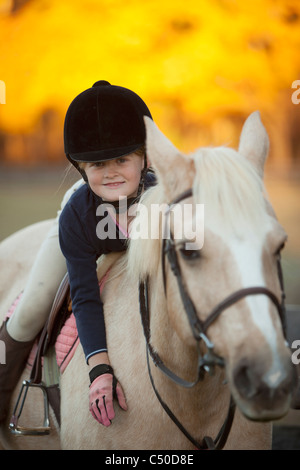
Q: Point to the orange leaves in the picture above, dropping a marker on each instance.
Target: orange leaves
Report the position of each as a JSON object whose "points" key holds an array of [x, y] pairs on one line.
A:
{"points": [[188, 59]]}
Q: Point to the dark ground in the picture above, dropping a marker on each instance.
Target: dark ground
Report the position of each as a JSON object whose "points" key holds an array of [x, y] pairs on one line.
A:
{"points": [[286, 437]]}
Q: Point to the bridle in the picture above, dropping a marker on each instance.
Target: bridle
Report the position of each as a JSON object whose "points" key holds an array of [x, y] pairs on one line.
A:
{"points": [[208, 361]]}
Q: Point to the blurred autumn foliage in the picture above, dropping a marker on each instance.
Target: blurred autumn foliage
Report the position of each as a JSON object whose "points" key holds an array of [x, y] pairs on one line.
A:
{"points": [[201, 65]]}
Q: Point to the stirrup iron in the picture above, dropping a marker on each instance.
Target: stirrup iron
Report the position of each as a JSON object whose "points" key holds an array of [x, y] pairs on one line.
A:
{"points": [[26, 431]]}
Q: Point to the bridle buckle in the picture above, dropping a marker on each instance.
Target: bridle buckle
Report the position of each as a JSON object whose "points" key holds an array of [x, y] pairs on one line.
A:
{"points": [[209, 361]]}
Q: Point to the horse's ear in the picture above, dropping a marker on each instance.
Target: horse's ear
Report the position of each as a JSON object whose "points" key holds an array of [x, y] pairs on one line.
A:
{"points": [[254, 142], [169, 163]]}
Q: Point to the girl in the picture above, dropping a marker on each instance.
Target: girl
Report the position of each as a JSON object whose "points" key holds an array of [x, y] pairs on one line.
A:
{"points": [[104, 137]]}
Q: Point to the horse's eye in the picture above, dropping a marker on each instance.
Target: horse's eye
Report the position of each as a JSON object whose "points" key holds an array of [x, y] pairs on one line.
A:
{"points": [[189, 254]]}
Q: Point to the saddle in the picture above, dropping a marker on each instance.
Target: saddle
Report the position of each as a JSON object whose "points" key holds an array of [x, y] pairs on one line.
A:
{"points": [[60, 311]]}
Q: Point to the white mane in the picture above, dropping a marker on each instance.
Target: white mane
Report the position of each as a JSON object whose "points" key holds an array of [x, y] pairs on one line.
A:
{"points": [[229, 187]]}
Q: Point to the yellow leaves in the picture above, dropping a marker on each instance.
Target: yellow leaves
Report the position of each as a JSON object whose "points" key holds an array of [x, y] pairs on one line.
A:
{"points": [[193, 57]]}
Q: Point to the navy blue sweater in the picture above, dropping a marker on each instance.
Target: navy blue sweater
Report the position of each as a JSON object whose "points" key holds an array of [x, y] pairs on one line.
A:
{"points": [[81, 247]]}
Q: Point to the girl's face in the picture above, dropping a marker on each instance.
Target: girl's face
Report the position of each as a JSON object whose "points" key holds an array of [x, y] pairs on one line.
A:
{"points": [[115, 179]]}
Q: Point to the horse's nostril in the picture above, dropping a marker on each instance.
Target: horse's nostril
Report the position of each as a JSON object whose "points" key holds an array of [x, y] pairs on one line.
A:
{"points": [[244, 381]]}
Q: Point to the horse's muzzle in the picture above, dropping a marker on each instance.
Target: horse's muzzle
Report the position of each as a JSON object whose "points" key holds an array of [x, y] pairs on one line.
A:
{"points": [[264, 395]]}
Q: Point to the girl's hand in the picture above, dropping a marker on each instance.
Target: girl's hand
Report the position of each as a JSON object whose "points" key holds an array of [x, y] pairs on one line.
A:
{"points": [[101, 398]]}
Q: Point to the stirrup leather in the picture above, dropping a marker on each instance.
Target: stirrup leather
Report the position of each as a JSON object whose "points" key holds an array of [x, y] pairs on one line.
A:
{"points": [[45, 346]]}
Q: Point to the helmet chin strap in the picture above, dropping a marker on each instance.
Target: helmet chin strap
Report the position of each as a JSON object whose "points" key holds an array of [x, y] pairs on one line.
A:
{"points": [[75, 164], [143, 177], [83, 174]]}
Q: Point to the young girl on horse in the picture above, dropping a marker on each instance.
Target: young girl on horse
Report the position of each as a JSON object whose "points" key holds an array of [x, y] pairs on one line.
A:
{"points": [[104, 138]]}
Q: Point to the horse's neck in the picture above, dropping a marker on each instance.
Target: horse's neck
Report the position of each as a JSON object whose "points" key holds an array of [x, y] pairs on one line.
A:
{"points": [[164, 338], [182, 360]]}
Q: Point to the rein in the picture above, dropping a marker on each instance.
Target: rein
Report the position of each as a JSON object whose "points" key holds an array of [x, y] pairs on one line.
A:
{"points": [[208, 361]]}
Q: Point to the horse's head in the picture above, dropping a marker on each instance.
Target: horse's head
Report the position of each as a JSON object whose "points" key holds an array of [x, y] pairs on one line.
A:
{"points": [[242, 244]]}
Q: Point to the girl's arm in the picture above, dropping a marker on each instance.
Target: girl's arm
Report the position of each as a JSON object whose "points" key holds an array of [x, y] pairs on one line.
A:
{"points": [[99, 358]]}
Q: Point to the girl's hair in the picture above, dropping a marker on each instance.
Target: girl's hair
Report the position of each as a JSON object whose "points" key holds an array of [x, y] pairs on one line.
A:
{"points": [[140, 151]]}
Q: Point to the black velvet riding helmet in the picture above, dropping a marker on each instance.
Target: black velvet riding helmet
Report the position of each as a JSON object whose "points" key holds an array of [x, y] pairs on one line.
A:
{"points": [[104, 122]]}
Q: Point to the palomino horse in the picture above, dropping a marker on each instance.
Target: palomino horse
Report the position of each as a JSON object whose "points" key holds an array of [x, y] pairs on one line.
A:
{"points": [[204, 307]]}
